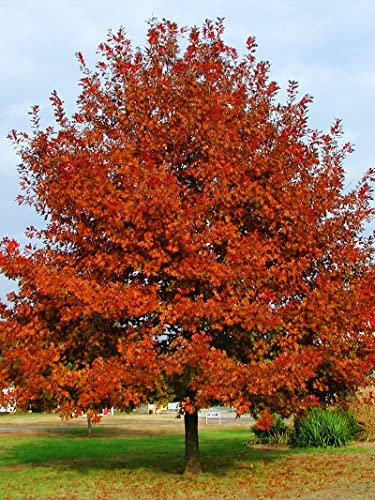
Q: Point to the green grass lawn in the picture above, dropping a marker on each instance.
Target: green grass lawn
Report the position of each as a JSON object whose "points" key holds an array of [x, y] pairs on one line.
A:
{"points": [[67, 464]]}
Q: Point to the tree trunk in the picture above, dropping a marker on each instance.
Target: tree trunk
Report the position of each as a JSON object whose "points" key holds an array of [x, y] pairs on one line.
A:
{"points": [[192, 464], [89, 426]]}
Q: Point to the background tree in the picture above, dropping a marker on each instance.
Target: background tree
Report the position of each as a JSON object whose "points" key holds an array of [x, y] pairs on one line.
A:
{"points": [[198, 242]]}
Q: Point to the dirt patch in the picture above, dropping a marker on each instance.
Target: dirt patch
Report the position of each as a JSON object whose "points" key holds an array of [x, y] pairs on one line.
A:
{"points": [[130, 425], [269, 447], [13, 468]]}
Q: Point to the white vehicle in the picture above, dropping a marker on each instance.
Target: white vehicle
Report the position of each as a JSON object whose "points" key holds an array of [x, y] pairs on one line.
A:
{"points": [[175, 406]]}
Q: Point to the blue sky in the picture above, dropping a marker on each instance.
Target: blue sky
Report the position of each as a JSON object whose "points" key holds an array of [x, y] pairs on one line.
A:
{"points": [[327, 46]]}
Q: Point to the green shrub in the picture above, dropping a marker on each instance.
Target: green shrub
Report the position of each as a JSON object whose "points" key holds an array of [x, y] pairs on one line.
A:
{"points": [[278, 433], [324, 428]]}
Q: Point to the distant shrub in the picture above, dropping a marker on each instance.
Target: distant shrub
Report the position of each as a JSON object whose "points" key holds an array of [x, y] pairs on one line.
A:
{"points": [[324, 428], [363, 408], [277, 432]]}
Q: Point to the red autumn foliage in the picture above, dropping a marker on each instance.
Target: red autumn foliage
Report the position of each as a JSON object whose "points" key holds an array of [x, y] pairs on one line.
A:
{"points": [[199, 244], [265, 421]]}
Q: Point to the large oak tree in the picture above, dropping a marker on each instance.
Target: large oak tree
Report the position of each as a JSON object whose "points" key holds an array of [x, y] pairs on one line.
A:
{"points": [[198, 245]]}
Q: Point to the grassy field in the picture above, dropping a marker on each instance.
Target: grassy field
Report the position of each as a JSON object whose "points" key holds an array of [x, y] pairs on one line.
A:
{"points": [[142, 457]]}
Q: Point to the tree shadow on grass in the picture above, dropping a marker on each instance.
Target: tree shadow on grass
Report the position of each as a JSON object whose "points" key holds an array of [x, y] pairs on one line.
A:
{"points": [[158, 453]]}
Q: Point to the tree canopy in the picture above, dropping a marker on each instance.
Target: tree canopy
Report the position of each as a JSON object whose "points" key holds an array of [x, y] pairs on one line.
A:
{"points": [[199, 244]]}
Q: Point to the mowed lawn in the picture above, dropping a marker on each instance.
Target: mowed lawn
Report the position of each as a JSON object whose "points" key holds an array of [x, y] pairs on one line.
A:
{"points": [[143, 458]]}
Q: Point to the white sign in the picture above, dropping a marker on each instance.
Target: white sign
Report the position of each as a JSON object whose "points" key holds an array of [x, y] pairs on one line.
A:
{"points": [[213, 415]]}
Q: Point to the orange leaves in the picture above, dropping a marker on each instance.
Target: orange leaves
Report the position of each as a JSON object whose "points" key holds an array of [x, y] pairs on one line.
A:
{"points": [[265, 421], [12, 246], [80, 58], [78, 118], [55, 99], [197, 240], [153, 37], [154, 181], [251, 44], [13, 136]]}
